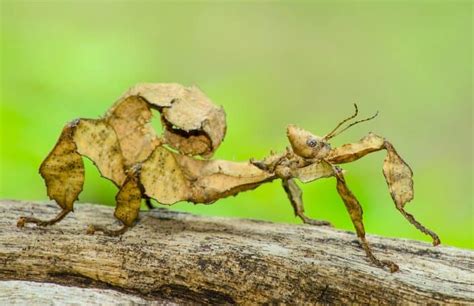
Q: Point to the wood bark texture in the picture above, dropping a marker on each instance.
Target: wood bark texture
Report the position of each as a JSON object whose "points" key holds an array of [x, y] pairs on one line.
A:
{"points": [[34, 293], [184, 258]]}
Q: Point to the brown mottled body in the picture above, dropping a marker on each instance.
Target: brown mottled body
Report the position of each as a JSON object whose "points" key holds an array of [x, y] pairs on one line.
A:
{"points": [[195, 180], [126, 150]]}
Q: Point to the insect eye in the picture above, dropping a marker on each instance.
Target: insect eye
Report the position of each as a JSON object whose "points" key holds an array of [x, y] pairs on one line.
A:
{"points": [[312, 142]]}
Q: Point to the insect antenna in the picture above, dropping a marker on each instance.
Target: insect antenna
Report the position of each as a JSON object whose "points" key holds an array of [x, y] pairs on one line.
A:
{"points": [[352, 124], [330, 134]]}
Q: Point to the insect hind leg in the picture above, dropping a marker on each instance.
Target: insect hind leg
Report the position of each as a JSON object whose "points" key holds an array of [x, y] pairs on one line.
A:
{"points": [[22, 221], [128, 201], [148, 203], [93, 228]]}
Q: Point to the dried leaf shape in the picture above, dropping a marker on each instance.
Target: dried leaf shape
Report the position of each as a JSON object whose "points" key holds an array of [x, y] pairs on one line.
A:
{"points": [[96, 140], [353, 151], [128, 200], [212, 180], [162, 178], [193, 124], [399, 177], [169, 178], [295, 195], [63, 169], [352, 205], [397, 173], [125, 137], [194, 143], [193, 111], [131, 119], [313, 172], [158, 94]]}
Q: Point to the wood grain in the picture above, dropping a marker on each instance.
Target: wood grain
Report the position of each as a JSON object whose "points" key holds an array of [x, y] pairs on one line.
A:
{"points": [[171, 256]]}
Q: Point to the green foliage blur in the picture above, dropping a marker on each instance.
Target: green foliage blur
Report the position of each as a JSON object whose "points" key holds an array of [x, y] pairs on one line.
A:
{"points": [[269, 64]]}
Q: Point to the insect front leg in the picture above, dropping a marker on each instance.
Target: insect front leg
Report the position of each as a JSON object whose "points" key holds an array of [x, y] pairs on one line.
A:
{"points": [[398, 174], [355, 211], [295, 195], [322, 169]]}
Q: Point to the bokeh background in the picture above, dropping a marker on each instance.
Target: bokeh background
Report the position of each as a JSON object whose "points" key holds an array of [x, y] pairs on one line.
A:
{"points": [[269, 64]]}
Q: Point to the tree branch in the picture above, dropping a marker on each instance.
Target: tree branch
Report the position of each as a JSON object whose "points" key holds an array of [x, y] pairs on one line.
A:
{"points": [[181, 257]]}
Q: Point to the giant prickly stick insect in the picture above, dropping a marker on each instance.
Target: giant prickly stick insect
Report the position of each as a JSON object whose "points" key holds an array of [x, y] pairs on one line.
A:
{"points": [[126, 150]]}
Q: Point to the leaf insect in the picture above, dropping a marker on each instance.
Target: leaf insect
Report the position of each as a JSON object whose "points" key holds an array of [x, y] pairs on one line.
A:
{"points": [[126, 149]]}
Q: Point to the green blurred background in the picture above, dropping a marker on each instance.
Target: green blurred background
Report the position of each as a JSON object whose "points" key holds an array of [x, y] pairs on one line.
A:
{"points": [[268, 64]]}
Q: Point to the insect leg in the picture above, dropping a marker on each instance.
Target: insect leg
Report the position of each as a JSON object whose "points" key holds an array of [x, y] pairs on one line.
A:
{"points": [[23, 220], [355, 211], [295, 195], [398, 174], [63, 172], [93, 228], [63, 168], [399, 177], [148, 203], [128, 200]]}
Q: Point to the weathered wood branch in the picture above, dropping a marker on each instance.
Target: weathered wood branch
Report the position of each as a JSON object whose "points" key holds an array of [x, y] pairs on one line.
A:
{"points": [[186, 258], [15, 292]]}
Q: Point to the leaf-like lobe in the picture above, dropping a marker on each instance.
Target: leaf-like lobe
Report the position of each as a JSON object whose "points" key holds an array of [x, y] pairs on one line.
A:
{"points": [[399, 177], [63, 170], [353, 151]]}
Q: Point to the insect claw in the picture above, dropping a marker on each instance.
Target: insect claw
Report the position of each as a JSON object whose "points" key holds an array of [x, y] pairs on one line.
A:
{"points": [[315, 222], [90, 229], [21, 222], [391, 265]]}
